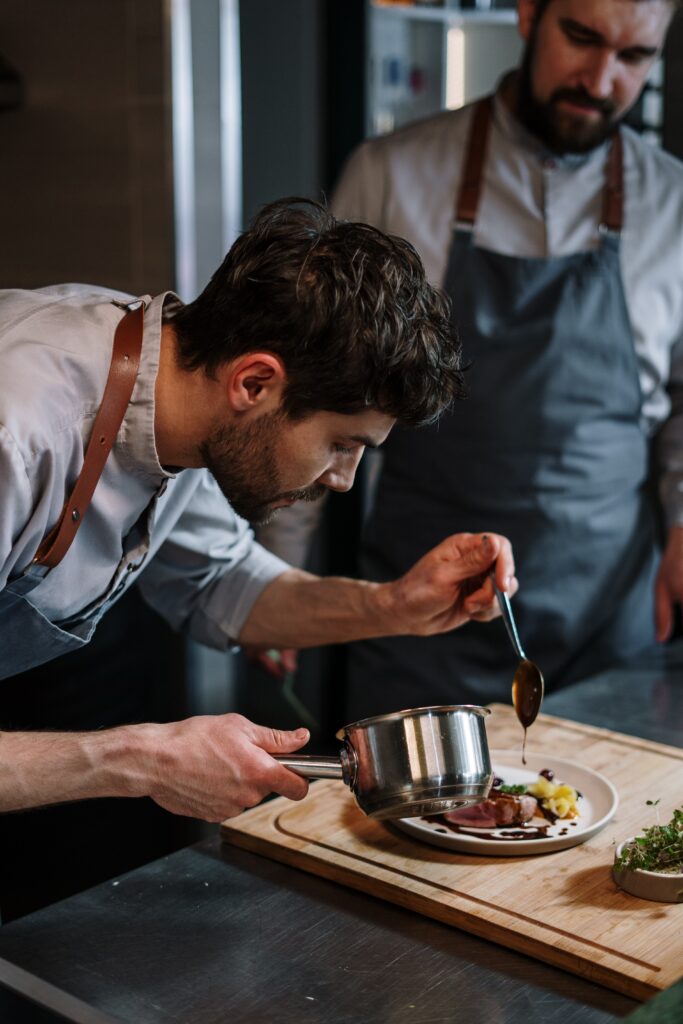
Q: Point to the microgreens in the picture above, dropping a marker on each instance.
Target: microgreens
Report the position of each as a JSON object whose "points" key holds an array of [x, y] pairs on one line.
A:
{"points": [[660, 848]]}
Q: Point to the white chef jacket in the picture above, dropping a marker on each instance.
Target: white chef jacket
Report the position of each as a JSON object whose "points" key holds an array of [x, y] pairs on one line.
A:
{"points": [[536, 204], [172, 531]]}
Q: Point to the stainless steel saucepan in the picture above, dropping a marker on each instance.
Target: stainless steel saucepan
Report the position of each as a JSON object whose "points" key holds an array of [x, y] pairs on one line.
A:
{"points": [[409, 763]]}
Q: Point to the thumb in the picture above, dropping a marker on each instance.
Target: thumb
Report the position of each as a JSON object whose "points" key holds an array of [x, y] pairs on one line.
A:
{"points": [[281, 741]]}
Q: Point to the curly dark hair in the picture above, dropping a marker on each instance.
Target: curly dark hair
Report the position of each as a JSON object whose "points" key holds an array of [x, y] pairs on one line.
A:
{"points": [[346, 307]]}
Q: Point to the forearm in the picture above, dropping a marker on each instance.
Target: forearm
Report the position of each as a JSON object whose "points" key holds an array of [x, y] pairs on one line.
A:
{"points": [[447, 587], [208, 767], [50, 767], [669, 443], [301, 610]]}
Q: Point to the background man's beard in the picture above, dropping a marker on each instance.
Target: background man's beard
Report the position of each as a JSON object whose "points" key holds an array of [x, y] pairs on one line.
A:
{"points": [[559, 130], [244, 465]]}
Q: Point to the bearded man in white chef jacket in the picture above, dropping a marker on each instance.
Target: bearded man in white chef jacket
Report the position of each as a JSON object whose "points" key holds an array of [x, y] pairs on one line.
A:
{"points": [[557, 234], [309, 342]]}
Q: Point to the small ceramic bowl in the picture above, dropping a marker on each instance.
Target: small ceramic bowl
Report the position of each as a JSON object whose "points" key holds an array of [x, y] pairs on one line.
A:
{"points": [[662, 886]]}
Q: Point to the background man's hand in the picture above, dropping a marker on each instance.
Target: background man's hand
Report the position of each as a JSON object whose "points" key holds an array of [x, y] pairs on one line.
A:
{"points": [[451, 585], [278, 663], [212, 767], [669, 584]]}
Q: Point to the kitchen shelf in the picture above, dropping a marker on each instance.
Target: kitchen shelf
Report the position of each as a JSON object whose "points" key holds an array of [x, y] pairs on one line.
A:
{"points": [[447, 15]]}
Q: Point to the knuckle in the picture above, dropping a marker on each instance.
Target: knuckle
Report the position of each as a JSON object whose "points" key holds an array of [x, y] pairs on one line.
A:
{"points": [[234, 718], [229, 811], [254, 795]]}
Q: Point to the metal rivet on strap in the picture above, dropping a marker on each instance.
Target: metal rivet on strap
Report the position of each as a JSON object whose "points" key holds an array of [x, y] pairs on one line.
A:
{"points": [[75, 515]]}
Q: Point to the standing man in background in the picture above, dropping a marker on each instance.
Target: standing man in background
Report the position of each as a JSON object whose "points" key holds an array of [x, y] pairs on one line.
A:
{"points": [[557, 234]]}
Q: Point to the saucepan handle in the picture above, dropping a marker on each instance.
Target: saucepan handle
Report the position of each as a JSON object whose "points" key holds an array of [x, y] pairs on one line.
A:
{"points": [[313, 767]]}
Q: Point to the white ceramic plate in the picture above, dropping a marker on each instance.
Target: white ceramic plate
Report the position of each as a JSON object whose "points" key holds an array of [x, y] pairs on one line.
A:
{"points": [[598, 803]]}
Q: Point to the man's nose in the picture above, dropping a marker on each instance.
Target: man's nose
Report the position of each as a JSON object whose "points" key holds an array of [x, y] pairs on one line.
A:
{"points": [[599, 74], [340, 477]]}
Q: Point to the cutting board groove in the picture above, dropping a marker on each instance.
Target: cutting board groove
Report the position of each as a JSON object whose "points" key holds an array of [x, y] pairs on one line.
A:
{"points": [[562, 907]]}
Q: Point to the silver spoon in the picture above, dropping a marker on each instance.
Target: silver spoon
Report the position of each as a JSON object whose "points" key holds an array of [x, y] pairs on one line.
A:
{"points": [[527, 685]]}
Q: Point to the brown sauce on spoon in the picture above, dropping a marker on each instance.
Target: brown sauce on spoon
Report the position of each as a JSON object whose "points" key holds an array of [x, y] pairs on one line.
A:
{"points": [[527, 695]]}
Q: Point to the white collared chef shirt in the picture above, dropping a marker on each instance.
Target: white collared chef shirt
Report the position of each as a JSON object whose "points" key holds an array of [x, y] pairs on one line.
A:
{"points": [[195, 559], [536, 204]]}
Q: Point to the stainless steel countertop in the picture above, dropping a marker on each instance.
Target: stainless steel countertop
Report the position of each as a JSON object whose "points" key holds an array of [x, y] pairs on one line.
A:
{"points": [[213, 933]]}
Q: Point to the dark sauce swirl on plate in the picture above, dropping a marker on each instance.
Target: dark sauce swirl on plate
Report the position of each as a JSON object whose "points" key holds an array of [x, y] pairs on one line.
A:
{"points": [[521, 833]]}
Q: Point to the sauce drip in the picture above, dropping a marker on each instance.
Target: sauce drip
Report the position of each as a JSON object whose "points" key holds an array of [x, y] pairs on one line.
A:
{"points": [[527, 694]]}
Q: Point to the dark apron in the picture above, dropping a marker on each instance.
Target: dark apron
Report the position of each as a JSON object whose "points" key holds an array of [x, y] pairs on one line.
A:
{"points": [[29, 638], [548, 450]]}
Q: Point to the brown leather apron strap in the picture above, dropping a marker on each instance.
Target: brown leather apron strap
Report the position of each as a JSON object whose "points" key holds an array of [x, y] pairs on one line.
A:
{"points": [[123, 373], [613, 195], [470, 187]]}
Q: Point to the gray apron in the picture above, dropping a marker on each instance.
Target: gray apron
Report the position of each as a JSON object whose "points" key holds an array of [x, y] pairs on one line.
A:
{"points": [[28, 637], [548, 450]]}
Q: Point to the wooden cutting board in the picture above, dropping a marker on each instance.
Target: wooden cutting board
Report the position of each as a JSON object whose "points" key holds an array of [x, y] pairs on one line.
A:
{"points": [[563, 907]]}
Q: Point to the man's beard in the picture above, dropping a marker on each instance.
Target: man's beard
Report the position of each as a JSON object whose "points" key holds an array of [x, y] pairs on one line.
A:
{"points": [[561, 132], [243, 462]]}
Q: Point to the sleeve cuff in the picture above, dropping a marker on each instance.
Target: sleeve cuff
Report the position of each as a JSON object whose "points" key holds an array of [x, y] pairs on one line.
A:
{"points": [[233, 595]]}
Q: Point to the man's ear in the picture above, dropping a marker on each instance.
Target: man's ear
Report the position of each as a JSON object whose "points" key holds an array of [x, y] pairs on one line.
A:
{"points": [[526, 13], [254, 381]]}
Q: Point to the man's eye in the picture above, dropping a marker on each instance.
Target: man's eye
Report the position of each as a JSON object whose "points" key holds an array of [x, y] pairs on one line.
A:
{"points": [[343, 450], [634, 57], [578, 38]]}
